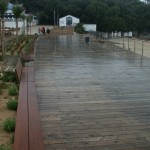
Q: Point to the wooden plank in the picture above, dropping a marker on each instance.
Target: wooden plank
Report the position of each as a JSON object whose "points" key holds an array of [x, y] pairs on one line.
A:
{"points": [[18, 69], [21, 132], [30, 74], [35, 132], [92, 97]]}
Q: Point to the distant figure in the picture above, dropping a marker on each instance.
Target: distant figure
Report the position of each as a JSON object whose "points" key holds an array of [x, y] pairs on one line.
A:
{"points": [[43, 30], [48, 30], [39, 31]]}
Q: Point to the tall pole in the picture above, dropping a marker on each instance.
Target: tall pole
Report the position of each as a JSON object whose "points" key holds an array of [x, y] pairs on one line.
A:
{"points": [[128, 43], [3, 37], [54, 18], [57, 19], [0, 31]]}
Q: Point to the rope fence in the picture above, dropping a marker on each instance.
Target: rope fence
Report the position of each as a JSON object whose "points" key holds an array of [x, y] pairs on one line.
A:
{"points": [[135, 45]]}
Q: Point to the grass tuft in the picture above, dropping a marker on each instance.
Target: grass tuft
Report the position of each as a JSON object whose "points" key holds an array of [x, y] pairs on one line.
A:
{"points": [[2, 147], [13, 90], [9, 125], [12, 104]]}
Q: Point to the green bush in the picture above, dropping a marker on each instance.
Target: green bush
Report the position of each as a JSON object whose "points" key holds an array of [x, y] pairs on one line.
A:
{"points": [[8, 76], [8, 46], [12, 104], [13, 90], [2, 147], [79, 28], [9, 125], [28, 45]]}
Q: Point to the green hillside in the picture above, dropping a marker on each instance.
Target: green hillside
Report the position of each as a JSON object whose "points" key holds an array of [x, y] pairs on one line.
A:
{"points": [[109, 15]]}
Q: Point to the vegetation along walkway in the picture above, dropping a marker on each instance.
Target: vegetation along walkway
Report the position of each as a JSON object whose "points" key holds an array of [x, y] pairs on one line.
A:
{"points": [[92, 96]]}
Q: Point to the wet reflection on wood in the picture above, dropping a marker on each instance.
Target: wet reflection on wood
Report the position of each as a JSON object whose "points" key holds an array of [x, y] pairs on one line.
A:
{"points": [[92, 97]]}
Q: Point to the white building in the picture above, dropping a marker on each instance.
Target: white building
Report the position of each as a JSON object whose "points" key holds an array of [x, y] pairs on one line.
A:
{"points": [[89, 27], [10, 20], [68, 21]]}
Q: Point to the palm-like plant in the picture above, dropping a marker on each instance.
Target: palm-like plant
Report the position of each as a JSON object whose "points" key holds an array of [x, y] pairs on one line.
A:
{"points": [[3, 8], [29, 20], [17, 11], [23, 26]]}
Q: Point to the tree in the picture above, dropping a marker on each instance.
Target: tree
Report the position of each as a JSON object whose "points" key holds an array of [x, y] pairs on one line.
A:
{"points": [[17, 11], [97, 12], [3, 8], [107, 14], [29, 19], [23, 26], [79, 28]]}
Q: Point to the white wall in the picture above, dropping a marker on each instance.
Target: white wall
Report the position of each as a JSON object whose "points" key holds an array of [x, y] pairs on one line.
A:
{"points": [[62, 21], [128, 34], [12, 24], [119, 34], [75, 21], [89, 27]]}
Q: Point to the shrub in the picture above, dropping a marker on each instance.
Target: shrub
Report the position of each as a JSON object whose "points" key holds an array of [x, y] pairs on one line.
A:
{"points": [[13, 90], [8, 46], [79, 28], [8, 76], [9, 125], [12, 104], [2, 147], [28, 45]]}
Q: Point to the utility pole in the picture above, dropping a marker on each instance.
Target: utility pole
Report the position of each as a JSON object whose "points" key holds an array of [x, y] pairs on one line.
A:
{"points": [[57, 19], [0, 35], [54, 18], [0, 31], [3, 39]]}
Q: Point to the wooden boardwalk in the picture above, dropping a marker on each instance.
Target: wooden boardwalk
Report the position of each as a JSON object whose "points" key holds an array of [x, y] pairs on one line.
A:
{"points": [[92, 97]]}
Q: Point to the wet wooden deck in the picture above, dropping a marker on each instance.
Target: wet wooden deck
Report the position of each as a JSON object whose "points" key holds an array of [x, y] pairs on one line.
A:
{"points": [[92, 97]]}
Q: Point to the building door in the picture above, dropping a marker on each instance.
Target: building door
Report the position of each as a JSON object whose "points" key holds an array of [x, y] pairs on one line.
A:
{"points": [[69, 21]]}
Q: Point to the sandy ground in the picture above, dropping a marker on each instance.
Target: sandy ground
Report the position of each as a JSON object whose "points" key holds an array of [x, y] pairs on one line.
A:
{"points": [[5, 138], [135, 45]]}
